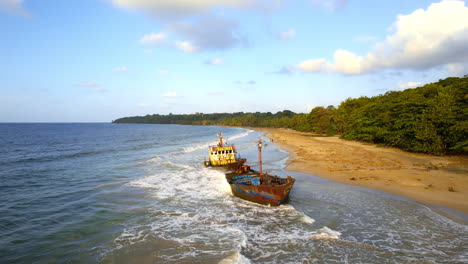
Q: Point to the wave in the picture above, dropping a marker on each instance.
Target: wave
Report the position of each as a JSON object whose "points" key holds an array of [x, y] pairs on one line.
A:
{"points": [[56, 155], [235, 258], [153, 159], [241, 135], [177, 166], [187, 184], [207, 144], [325, 233], [197, 147], [306, 219]]}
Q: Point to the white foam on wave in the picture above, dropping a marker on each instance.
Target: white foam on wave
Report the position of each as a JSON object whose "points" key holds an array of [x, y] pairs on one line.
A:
{"points": [[241, 135], [153, 159], [197, 147], [194, 207], [325, 233], [306, 219], [177, 166], [185, 184], [207, 144], [143, 183], [235, 258], [131, 236]]}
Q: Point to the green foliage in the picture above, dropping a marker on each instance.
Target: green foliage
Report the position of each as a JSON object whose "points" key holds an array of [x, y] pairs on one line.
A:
{"points": [[322, 120], [428, 119]]}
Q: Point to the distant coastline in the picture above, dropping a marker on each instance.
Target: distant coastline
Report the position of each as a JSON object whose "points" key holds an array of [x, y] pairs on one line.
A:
{"points": [[429, 119], [439, 180]]}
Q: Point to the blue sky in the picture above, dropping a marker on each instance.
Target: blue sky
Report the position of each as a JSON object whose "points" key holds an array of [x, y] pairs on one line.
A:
{"points": [[98, 60]]}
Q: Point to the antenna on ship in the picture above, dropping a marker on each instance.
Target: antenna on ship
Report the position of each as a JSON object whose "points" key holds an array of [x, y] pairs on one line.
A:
{"points": [[220, 136]]}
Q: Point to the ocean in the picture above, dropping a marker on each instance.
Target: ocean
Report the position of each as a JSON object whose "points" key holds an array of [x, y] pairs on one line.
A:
{"points": [[119, 193]]}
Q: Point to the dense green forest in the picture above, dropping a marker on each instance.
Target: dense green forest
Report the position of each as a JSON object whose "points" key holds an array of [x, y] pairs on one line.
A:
{"points": [[429, 119]]}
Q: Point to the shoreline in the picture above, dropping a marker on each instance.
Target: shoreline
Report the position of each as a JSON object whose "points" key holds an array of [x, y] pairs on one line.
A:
{"points": [[431, 180]]}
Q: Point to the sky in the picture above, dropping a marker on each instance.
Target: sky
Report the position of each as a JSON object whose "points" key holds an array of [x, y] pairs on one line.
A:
{"points": [[99, 60]]}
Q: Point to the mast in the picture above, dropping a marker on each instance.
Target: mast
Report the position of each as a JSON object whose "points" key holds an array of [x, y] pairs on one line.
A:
{"points": [[220, 136], [260, 157]]}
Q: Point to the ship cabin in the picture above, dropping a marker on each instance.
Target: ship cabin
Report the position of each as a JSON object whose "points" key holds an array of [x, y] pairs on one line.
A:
{"points": [[221, 156]]}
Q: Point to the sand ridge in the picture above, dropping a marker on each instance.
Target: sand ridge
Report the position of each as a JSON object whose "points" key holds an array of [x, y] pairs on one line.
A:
{"points": [[440, 180]]}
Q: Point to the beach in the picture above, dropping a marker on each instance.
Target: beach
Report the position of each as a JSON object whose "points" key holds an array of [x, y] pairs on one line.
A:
{"points": [[438, 180]]}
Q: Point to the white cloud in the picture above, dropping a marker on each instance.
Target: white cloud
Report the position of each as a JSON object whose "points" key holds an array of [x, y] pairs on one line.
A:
{"points": [[309, 108], [456, 69], [347, 62], [148, 51], [172, 95], [288, 70], [14, 6], [406, 85], [214, 62], [209, 33], [204, 33], [186, 46], [170, 9], [316, 65], [87, 84], [143, 105], [423, 39], [100, 89], [153, 38], [196, 21], [288, 34], [121, 69], [332, 5]]}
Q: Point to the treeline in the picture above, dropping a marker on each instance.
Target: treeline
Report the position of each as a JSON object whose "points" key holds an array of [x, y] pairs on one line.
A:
{"points": [[429, 119]]}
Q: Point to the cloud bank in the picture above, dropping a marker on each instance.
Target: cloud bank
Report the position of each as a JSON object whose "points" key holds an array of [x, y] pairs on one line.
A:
{"points": [[195, 25], [14, 6], [174, 9], [421, 40]]}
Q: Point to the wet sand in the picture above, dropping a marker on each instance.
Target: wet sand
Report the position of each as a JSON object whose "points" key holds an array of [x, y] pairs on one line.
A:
{"points": [[425, 178]]}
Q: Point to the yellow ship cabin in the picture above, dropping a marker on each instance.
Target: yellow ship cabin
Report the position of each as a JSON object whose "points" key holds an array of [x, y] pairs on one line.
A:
{"points": [[221, 155]]}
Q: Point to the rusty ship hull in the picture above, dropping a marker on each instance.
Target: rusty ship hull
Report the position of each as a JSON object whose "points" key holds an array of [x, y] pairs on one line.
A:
{"points": [[262, 189]]}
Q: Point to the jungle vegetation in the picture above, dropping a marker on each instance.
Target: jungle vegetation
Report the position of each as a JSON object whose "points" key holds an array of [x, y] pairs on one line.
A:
{"points": [[430, 119]]}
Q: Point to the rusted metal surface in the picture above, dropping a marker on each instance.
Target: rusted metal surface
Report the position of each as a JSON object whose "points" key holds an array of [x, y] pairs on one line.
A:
{"points": [[258, 187], [238, 166], [260, 156], [268, 190]]}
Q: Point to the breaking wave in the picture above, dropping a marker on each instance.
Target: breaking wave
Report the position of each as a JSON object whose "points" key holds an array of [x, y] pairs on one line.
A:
{"points": [[212, 143], [194, 209], [325, 233]]}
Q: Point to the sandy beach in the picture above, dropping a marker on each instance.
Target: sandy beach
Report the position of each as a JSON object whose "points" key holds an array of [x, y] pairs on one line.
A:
{"points": [[425, 178]]}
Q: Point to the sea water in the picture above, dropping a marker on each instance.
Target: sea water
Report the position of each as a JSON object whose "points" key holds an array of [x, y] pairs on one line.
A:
{"points": [[117, 193]]}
